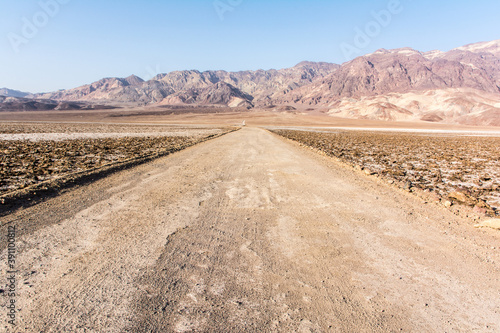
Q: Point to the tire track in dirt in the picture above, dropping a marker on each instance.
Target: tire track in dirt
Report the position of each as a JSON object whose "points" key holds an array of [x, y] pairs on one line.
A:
{"points": [[252, 233]]}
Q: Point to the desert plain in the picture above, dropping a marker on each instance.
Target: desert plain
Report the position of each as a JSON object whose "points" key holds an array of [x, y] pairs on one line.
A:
{"points": [[157, 220]]}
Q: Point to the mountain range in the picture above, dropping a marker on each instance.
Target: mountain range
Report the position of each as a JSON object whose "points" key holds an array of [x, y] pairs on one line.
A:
{"points": [[13, 93], [30, 104], [458, 86]]}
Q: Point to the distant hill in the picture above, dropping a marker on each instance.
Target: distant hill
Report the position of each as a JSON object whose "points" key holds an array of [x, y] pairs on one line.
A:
{"points": [[12, 93], [262, 86], [29, 104], [464, 83], [220, 93]]}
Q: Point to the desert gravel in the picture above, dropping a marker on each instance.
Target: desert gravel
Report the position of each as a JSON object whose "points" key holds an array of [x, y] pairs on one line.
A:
{"points": [[250, 232]]}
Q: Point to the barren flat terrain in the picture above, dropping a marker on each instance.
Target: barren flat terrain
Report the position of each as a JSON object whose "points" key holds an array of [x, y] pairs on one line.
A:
{"points": [[250, 232], [38, 154], [459, 167], [218, 117]]}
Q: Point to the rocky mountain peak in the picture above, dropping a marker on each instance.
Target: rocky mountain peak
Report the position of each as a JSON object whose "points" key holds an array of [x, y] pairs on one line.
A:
{"points": [[402, 71], [492, 47], [12, 93], [134, 80]]}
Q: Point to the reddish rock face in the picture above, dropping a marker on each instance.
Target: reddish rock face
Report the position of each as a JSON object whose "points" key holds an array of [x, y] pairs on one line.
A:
{"points": [[472, 69], [403, 70], [184, 86], [220, 93]]}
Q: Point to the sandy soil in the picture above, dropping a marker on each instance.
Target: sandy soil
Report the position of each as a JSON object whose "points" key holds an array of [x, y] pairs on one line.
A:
{"points": [[426, 131], [459, 168], [35, 131], [41, 156], [35, 137], [224, 117], [250, 232]]}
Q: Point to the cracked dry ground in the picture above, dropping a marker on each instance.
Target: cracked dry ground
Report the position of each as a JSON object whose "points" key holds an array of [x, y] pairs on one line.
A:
{"points": [[250, 233]]}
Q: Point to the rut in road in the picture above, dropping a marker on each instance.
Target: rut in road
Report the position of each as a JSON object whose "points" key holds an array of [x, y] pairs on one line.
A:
{"points": [[251, 233]]}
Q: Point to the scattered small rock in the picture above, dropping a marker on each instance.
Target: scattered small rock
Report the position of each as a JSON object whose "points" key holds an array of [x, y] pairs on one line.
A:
{"points": [[491, 223], [462, 198], [368, 172], [407, 186], [458, 166], [479, 210]]}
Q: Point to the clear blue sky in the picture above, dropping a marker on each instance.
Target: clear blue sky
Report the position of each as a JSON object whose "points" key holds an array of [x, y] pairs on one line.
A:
{"points": [[87, 40]]}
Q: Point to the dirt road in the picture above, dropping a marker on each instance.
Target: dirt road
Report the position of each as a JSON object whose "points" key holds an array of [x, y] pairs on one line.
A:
{"points": [[249, 233]]}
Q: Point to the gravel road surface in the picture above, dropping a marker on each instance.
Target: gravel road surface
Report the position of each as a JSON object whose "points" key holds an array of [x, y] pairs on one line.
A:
{"points": [[248, 233]]}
